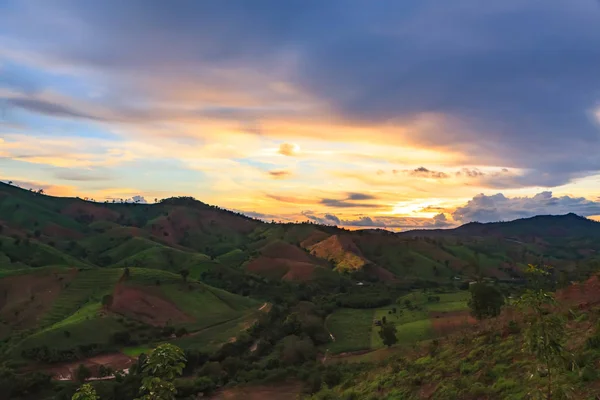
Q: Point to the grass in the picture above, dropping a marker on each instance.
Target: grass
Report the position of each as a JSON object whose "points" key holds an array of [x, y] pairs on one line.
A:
{"points": [[208, 305], [135, 351], [351, 329], [355, 330], [448, 307], [88, 285], [86, 312], [211, 339], [206, 308], [83, 332]]}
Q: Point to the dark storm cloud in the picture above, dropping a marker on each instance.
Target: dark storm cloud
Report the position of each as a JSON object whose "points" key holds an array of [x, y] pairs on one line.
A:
{"points": [[498, 207], [513, 83]]}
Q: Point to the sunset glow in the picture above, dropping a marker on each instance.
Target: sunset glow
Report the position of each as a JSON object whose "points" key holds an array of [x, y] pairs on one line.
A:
{"points": [[396, 127]]}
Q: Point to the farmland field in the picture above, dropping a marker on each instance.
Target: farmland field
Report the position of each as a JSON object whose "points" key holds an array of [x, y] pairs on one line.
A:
{"points": [[354, 329], [351, 329]]}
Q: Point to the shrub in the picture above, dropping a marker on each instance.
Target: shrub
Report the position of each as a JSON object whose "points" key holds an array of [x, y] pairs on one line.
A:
{"points": [[588, 374], [513, 327]]}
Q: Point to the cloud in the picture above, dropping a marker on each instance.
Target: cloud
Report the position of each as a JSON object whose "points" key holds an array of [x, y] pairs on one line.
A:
{"points": [[440, 219], [393, 223], [498, 207], [446, 76], [360, 196], [50, 189], [81, 175], [332, 218], [289, 149], [139, 199], [470, 173], [48, 108], [346, 204], [280, 174], [426, 173]]}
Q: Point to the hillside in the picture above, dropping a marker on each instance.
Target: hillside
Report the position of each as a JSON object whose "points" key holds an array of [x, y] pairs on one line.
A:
{"points": [[182, 233], [101, 283], [487, 360]]}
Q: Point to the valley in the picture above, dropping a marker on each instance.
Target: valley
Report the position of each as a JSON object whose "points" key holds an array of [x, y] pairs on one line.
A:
{"points": [[88, 290]]}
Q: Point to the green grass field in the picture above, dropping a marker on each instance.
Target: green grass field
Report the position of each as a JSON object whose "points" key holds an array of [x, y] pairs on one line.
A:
{"points": [[135, 351], [355, 330], [351, 329], [210, 339]]}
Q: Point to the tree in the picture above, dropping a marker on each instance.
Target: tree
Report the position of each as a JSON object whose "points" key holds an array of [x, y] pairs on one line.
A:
{"points": [[107, 300], [82, 373], [163, 365], [486, 301], [545, 330], [387, 333], [184, 274], [85, 392]]}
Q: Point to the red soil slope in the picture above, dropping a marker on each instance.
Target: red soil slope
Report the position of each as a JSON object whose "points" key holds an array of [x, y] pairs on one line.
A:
{"points": [[99, 212], [445, 323], [280, 249], [24, 299], [146, 305], [583, 294], [281, 268]]}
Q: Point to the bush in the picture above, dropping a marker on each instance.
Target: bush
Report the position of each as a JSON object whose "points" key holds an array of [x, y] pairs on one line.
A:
{"points": [[588, 374], [513, 327], [121, 338]]}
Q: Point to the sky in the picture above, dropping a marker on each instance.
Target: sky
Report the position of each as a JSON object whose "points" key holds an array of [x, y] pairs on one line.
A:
{"points": [[360, 113]]}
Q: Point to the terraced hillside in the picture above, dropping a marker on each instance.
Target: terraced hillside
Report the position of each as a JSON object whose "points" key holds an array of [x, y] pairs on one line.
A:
{"points": [[184, 234], [68, 314]]}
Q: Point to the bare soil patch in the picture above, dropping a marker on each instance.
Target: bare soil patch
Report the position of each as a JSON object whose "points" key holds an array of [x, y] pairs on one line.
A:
{"points": [[281, 268], [282, 391], [24, 299], [98, 212], [66, 371], [444, 323], [54, 230], [285, 250], [583, 294], [146, 305]]}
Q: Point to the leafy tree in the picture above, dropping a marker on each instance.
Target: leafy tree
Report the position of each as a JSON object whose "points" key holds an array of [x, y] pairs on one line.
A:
{"points": [[107, 300], [486, 301], [163, 365], [184, 274], [85, 392], [82, 373], [387, 333], [545, 330]]}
